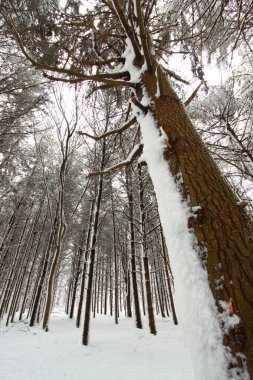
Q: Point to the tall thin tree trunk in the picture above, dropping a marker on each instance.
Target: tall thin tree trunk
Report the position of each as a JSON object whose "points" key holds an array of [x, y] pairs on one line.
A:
{"points": [[165, 260], [77, 274], [95, 290], [151, 317], [101, 293], [44, 270], [106, 286], [58, 245], [132, 248], [80, 304], [116, 301], [128, 296], [31, 269], [27, 252], [92, 261], [111, 290], [158, 288], [50, 287], [8, 292]]}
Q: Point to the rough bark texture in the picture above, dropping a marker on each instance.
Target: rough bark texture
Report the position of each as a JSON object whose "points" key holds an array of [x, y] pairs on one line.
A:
{"points": [[220, 226]]}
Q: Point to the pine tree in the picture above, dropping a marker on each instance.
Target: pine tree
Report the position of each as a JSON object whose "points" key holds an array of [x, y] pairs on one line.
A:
{"points": [[125, 39]]}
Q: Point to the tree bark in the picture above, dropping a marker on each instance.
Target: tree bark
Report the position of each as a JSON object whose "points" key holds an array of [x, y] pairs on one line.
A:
{"points": [[80, 304], [133, 252], [77, 271], [92, 262], [7, 292], [44, 271], [31, 271], [165, 260], [116, 291], [145, 258], [221, 225]]}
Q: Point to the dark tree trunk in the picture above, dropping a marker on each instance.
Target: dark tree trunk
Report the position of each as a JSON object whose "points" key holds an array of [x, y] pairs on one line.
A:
{"points": [[9, 283], [128, 298], [116, 295], [44, 271], [132, 249], [151, 317], [96, 290], [166, 265], [69, 296], [111, 290], [31, 270], [158, 289], [106, 285], [101, 281], [86, 256], [27, 252], [77, 265], [92, 261]]}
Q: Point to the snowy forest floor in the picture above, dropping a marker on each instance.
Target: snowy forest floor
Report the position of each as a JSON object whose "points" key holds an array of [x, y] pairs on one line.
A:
{"points": [[115, 351]]}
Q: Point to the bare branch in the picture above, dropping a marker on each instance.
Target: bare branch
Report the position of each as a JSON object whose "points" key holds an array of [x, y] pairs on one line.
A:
{"points": [[175, 75], [126, 26], [190, 99], [143, 35], [136, 152], [109, 133]]}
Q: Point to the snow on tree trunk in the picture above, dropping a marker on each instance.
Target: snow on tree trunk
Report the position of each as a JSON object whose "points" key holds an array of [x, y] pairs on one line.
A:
{"points": [[206, 238]]}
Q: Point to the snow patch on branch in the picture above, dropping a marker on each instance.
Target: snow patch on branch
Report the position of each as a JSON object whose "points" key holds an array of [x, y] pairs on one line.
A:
{"points": [[195, 305], [132, 153], [129, 55]]}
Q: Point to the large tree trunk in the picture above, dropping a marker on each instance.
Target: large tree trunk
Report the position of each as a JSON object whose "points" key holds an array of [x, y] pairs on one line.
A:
{"points": [[222, 228]]}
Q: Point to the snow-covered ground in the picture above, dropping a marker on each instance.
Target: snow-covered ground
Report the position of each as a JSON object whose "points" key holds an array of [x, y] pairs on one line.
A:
{"points": [[115, 351]]}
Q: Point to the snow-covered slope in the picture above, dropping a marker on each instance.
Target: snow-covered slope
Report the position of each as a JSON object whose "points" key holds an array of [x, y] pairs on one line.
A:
{"points": [[115, 352]]}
